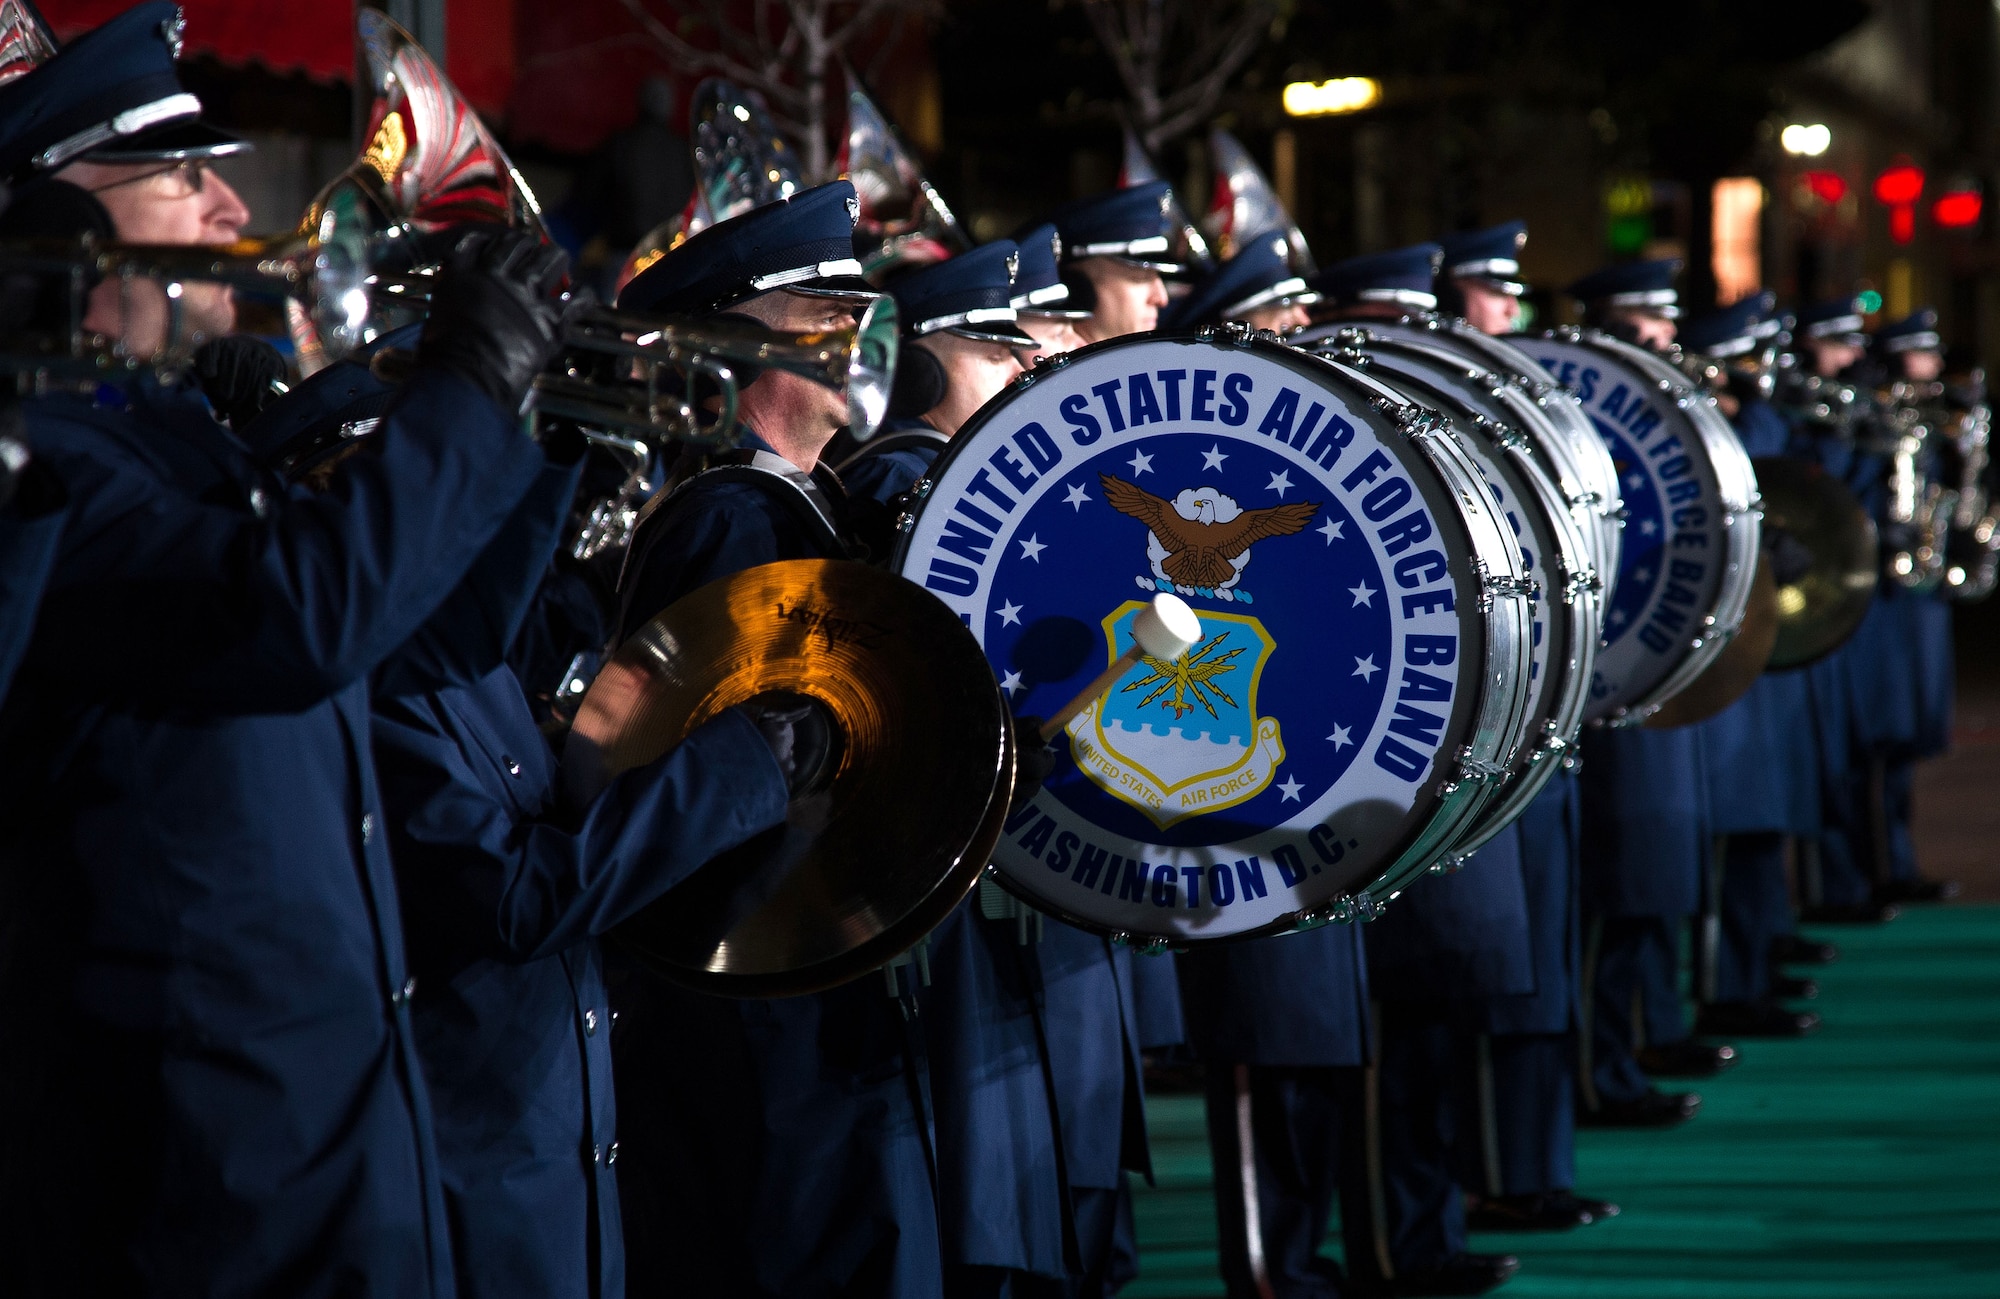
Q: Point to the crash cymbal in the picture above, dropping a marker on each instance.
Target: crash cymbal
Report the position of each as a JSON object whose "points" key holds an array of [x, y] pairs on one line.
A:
{"points": [[1825, 553], [863, 870], [1741, 662]]}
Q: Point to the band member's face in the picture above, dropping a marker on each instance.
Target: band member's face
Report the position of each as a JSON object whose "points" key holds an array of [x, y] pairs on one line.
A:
{"points": [[789, 410], [181, 204], [1488, 310], [1129, 299], [1922, 365], [1648, 329], [1052, 335], [1288, 315], [1832, 355], [974, 371]]}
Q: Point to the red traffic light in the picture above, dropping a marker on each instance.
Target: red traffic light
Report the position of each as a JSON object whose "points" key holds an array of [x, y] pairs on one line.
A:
{"points": [[1826, 186], [1899, 185], [1957, 210]]}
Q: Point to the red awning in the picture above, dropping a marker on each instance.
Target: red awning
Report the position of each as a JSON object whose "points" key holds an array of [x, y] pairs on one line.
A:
{"points": [[307, 36]]}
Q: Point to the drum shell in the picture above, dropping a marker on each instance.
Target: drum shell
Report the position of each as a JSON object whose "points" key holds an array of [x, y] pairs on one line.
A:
{"points": [[1607, 371], [1487, 597], [1568, 588]]}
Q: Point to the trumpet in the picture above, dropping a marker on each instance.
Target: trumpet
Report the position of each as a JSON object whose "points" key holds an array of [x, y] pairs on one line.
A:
{"points": [[324, 280]]}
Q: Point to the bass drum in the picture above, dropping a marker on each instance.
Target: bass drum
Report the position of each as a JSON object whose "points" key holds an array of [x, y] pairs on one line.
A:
{"points": [[1567, 611], [1689, 558], [1363, 667], [1530, 398]]}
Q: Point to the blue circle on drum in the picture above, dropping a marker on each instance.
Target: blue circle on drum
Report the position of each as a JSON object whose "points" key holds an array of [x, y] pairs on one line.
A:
{"points": [[1298, 634]]}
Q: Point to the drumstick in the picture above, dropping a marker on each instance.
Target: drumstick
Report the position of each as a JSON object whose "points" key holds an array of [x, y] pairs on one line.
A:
{"points": [[1163, 631]]}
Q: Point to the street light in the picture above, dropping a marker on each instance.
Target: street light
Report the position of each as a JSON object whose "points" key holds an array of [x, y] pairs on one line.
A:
{"points": [[1806, 140], [1325, 98]]}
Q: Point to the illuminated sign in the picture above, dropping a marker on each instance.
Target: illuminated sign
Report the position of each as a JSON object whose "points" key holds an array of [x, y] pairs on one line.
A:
{"points": [[1325, 98]]}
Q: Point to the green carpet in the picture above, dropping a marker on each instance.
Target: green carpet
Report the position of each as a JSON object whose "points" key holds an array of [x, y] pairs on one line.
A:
{"points": [[1861, 1161]]}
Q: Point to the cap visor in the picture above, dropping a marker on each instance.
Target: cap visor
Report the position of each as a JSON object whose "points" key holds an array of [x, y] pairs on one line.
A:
{"points": [[834, 286], [173, 142], [998, 331], [1052, 313]]}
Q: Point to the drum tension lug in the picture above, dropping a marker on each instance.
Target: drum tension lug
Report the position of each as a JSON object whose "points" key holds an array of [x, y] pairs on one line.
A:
{"points": [[1449, 864]]}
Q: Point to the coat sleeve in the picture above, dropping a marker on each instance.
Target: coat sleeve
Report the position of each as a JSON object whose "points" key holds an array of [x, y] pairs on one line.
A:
{"points": [[29, 532], [171, 599], [522, 886], [471, 633], [712, 533]]}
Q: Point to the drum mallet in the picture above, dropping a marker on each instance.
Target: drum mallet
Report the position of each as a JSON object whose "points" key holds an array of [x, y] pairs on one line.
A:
{"points": [[1164, 632]]}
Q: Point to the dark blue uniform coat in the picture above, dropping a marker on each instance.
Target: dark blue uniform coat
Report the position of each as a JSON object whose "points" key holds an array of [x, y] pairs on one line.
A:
{"points": [[204, 989], [27, 552], [1644, 821], [771, 1147], [502, 901]]}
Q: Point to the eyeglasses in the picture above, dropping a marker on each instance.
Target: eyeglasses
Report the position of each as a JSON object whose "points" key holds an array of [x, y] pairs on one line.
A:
{"points": [[184, 178]]}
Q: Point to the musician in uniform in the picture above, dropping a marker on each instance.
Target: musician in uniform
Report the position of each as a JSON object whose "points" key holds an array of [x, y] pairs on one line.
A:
{"points": [[1759, 763], [769, 1147], [1912, 352], [206, 998], [1001, 1189], [1517, 1119], [961, 346], [1861, 706], [1479, 276], [1042, 300], [1116, 251], [1644, 836], [1256, 287], [1379, 286]]}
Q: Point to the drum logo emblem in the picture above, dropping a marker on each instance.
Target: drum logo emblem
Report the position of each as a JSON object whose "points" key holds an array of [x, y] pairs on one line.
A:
{"points": [[1183, 738], [1199, 542]]}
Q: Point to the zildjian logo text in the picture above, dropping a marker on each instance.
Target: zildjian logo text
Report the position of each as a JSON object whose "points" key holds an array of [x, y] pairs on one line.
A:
{"points": [[831, 626]]}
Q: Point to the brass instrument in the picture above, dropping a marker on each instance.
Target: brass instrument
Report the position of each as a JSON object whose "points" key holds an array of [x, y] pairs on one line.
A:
{"points": [[324, 281], [430, 164], [1919, 507], [1972, 542]]}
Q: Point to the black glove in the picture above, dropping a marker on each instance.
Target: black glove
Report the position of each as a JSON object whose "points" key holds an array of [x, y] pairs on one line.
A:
{"points": [[240, 375], [494, 318], [802, 737], [1033, 760]]}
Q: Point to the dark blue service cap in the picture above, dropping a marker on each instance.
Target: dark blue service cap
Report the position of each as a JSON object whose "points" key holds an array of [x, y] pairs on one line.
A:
{"points": [[111, 95], [1836, 320], [1130, 224], [1632, 286], [970, 295], [1401, 277], [1492, 255], [1260, 275], [1734, 329], [1038, 285], [1916, 332], [803, 244]]}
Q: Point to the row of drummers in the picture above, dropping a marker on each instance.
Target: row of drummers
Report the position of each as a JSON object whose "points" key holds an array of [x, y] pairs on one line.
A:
{"points": [[303, 964], [1704, 626]]}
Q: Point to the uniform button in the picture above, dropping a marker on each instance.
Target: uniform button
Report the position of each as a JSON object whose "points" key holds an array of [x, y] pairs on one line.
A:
{"points": [[260, 504], [611, 1155], [590, 1023], [402, 995], [597, 1154], [513, 767], [367, 826]]}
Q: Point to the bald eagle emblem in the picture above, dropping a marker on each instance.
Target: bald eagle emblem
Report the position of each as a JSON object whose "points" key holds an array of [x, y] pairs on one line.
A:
{"points": [[1199, 542]]}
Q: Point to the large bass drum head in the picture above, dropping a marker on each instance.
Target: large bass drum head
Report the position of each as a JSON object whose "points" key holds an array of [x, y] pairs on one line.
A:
{"points": [[1688, 554], [1362, 664]]}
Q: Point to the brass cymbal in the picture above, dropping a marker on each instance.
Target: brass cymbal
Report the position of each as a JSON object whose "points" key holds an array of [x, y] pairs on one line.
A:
{"points": [[1739, 665], [1821, 607], [863, 870]]}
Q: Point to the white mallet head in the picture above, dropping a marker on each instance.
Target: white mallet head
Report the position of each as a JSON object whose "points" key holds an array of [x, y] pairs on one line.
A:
{"points": [[1166, 630]]}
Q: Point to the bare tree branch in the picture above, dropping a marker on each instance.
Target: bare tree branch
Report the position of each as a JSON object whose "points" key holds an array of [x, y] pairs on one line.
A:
{"points": [[1205, 42]]}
